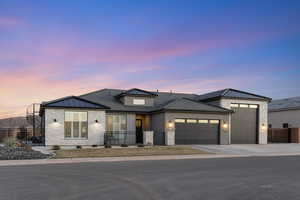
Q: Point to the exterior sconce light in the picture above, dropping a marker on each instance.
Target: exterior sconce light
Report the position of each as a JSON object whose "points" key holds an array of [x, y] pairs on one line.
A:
{"points": [[96, 121], [54, 120], [263, 127], [225, 125], [170, 124]]}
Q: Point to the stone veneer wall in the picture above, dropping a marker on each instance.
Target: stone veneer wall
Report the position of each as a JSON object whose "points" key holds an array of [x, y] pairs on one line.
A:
{"points": [[54, 131]]}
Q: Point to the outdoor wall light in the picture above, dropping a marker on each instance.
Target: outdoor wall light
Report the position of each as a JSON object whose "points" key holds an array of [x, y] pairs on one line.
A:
{"points": [[263, 127], [54, 120], [170, 124], [96, 121], [225, 125]]}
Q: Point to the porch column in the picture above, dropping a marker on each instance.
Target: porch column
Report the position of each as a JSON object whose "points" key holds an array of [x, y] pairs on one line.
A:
{"points": [[148, 137]]}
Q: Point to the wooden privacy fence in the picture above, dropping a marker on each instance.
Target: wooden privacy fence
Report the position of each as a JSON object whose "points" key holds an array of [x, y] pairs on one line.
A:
{"points": [[284, 135]]}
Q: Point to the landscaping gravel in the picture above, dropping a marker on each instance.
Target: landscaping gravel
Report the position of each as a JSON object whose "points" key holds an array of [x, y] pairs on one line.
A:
{"points": [[20, 153]]}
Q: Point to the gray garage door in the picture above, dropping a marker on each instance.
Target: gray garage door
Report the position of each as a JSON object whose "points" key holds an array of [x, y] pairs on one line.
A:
{"points": [[244, 124], [197, 133]]}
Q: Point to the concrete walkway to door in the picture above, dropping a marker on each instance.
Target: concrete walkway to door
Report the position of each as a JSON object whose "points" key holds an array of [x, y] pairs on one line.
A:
{"points": [[253, 149]]}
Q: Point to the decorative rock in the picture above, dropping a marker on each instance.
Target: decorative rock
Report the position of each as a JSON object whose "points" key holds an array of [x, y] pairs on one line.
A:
{"points": [[20, 153]]}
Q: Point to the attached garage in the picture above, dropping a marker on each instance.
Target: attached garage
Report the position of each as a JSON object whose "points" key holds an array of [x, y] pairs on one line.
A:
{"points": [[244, 124], [197, 131]]}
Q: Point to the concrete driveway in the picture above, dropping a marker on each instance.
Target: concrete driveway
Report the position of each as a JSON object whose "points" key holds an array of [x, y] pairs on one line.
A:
{"points": [[253, 149]]}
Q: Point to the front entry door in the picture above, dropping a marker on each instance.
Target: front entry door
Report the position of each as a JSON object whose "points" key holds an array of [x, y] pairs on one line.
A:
{"points": [[139, 130]]}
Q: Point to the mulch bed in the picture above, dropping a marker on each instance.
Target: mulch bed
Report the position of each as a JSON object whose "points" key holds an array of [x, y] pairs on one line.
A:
{"points": [[20, 153]]}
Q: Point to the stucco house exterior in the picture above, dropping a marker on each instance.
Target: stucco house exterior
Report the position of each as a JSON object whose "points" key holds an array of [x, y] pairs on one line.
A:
{"points": [[284, 113], [164, 118]]}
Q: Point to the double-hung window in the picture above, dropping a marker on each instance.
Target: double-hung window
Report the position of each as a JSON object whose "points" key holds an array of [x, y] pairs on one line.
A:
{"points": [[76, 125]]}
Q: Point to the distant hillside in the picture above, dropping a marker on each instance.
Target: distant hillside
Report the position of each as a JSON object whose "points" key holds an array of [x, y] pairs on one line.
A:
{"points": [[14, 122]]}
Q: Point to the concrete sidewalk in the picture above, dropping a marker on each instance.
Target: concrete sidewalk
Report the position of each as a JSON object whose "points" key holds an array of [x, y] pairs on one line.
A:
{"points": [[111, 159], [252, 149]]}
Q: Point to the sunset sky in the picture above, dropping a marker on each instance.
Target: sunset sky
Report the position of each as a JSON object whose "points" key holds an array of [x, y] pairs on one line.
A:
{"points": [[55, 48]]}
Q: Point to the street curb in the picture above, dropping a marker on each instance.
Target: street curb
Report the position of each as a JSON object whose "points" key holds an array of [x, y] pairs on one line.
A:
{"points": [[111, 159], [133, 158]]}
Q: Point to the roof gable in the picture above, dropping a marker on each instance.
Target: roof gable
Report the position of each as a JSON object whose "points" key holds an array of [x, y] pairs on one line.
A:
{"points": [[73, 102], [185, 104], [137, 92], [231, 93]]}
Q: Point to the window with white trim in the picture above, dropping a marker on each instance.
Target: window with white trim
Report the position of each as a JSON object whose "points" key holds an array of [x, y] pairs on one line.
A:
{"points": [[180, 120], [253, 106], [203, 121], [234, 105], [191, 121], [244, 106], [76, 125], [139, 101]]}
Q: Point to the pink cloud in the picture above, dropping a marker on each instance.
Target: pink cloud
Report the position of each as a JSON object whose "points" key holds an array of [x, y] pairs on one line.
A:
{"points": [[8, 22]]}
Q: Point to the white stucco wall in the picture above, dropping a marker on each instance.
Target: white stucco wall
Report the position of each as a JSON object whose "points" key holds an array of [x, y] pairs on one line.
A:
{"points": [[263, 116], [54, 131], [292, 117]]}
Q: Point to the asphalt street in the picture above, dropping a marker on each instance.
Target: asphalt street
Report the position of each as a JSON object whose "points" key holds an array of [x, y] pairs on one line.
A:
{"points": [[222, 178]]}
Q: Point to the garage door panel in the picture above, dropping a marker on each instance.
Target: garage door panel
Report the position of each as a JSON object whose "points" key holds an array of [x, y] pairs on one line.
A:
{"points": [[244, 126], [196, 133]]}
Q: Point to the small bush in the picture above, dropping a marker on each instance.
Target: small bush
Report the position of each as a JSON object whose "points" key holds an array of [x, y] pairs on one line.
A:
{"points": [[10, 142], [78, 147], [56, 147], [124, 145], [107, 146], [94, 145], [140, 145]]}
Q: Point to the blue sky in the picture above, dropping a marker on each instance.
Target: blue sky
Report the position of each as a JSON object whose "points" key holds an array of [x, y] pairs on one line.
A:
{"points": [[50, 49]]}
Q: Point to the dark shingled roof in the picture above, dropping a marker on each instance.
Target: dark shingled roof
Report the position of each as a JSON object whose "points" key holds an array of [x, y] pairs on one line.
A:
{"points": [[73, 102], [163, 101], [110, 99], [191, 105], [292, 103], [231, 93]]}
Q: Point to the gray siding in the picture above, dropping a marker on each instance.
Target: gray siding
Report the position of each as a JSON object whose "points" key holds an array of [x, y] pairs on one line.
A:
{"points": [[291, 117], [131, 127], [158, 122]]}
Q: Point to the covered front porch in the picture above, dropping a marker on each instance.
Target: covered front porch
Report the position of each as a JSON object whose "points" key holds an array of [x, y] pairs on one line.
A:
{"points": [[128, 129]]}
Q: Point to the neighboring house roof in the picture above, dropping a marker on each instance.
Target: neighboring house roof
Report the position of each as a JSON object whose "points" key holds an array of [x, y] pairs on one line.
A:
{"points": [[232, 94], [292, 103], [73, 102], [137, 92], [185, 104]]}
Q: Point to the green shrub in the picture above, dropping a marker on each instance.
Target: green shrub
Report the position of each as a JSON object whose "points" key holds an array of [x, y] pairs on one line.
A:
{"points": [[78, 147], [94, 145]]}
